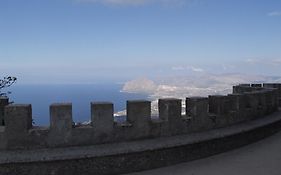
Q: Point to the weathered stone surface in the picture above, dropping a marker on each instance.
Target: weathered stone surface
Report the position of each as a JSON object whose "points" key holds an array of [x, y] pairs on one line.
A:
{"points": [[139, 115], [245, 85], [197, 109], [219, 104], [256, 85], [278, 87], [4, 101], [61, 123], [136, 155], [102, 117], [170, 111], [224, 111], [18, 121]]}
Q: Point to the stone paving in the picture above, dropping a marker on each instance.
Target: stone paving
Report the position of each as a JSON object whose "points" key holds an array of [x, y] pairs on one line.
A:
{"points": [[260, 158]]}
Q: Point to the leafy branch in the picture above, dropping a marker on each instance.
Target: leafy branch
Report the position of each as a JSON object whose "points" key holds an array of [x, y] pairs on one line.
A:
{"points": [[5, 83]]}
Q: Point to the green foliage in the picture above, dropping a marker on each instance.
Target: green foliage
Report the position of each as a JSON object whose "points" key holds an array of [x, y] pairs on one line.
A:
{"points": [[5, 83]]}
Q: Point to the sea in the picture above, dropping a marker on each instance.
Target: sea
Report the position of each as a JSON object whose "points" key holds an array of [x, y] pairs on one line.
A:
{"points": [[80, 95]]}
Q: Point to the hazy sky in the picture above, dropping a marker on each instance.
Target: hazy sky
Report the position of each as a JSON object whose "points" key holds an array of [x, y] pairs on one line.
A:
{"points": [[90, 40]]}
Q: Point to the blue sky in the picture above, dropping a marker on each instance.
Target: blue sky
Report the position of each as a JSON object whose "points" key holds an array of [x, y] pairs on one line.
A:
{"points": [[93, 40]]}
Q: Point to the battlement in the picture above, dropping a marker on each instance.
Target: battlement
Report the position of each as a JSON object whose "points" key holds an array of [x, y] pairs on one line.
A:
{"points": [[247, 102]]}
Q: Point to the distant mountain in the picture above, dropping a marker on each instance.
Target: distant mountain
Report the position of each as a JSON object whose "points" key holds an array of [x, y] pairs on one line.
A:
{"points": [[140, 85], [195, 85]]}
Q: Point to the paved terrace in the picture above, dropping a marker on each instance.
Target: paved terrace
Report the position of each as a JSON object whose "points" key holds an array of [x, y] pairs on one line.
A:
{"points": [[260, 158]]}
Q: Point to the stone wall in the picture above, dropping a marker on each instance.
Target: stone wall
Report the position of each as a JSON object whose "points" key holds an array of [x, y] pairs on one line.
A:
{"points": [[247, 102]]}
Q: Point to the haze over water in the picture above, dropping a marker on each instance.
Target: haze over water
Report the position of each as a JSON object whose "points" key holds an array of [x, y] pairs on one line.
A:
{"points": [[92, 41], [90, 45], [41, 96]]}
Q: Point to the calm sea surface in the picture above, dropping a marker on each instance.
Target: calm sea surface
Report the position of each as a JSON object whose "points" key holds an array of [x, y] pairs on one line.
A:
{"points": [[41, 96]]}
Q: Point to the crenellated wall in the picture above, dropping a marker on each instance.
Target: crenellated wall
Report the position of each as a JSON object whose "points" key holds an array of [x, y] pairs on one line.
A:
{"points": [[247, 102]]}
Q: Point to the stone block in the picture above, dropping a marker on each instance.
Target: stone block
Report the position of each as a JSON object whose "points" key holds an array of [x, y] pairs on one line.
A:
{"points": [[252, 99], [61, 123], [235, 101], [274, 85], [196, 106], [269, 100], [18, 120], [252, 103], [197, 109], [261, 103], [256, 85], [245, 85], [169, 109], [4, 101], [242, 89], [219, 104], [102, 116], [139, 115]]}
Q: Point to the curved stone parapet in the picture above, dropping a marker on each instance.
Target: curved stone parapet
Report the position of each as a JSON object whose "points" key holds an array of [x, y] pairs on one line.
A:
{"points": [[125, 157], [210, 125]]}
